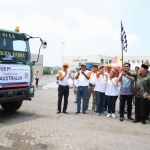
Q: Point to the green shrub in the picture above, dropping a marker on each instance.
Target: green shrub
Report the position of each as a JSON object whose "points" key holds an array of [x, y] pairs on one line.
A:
{"points": [[46, 71]]}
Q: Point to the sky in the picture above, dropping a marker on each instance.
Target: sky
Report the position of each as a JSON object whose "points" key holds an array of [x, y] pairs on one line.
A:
{"points": [[87, 27]]}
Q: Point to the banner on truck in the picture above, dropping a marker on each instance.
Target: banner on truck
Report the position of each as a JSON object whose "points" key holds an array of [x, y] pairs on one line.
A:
{"points": [[14, 75]]}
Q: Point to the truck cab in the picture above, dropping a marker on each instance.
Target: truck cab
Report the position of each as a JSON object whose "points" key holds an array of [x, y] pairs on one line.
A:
{"points": [[16, 69]]}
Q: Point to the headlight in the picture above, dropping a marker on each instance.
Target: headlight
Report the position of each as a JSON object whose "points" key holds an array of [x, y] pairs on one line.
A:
{"points": [[31, 90]]}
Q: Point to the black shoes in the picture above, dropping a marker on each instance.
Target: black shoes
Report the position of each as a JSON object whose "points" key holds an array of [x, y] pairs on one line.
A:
{"points": [[77, 112], [130, 118], [75, 102], [143, 122], [135, 121], [121, 119], [62, 112], [148, 118]]}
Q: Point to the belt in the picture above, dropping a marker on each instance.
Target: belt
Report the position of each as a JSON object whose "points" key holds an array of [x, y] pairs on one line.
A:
{"points": [[82, 86], [63, 85], [91, 84]]}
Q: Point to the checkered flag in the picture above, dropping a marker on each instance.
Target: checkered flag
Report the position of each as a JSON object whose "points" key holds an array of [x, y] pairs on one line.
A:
{"points": [[123, 38]]}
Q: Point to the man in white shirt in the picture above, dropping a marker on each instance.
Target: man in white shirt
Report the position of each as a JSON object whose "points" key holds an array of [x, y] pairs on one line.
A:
{"points": [[92, 82], [100, 91], [63, 88], [82, 77]]}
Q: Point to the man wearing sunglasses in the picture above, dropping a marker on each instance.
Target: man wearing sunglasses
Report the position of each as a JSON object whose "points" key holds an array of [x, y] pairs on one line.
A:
{"points": [[126, 92], [63, 88]]}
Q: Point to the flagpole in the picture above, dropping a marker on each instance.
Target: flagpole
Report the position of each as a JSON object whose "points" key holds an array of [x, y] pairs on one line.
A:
{"points": [[122, 53], [121, 44], [123, 41]]}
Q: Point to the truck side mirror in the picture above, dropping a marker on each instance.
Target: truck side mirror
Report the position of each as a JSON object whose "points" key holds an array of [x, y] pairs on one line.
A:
{"points": [[44, 44]]}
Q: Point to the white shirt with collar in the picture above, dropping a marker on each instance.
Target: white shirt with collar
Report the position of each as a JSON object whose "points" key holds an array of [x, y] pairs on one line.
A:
{"points": [[112, 87], [93, 78], [82, 80], [64, 82], [100, 84]]}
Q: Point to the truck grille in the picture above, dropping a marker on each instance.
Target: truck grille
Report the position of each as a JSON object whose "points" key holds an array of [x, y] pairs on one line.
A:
{"points": [[11, 94]]}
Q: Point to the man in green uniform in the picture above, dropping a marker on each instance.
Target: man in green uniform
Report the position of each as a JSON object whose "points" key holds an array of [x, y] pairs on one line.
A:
{"points": [[142, 93]]}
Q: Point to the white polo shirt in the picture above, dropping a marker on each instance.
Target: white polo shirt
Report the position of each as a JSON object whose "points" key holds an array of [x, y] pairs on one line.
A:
{"points": [[106, 73], [82, 80], [100, 84], [93, 78], [64, 82], [112, 87]]}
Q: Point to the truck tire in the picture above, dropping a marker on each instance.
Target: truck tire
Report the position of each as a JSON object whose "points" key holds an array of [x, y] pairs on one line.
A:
{"points": [[11, 106]]}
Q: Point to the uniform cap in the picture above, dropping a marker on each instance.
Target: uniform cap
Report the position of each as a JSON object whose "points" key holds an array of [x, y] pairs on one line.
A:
{"points": [[83, 64], [144, 66], [100, 67], [109, 66], [65, 64], [94, 65]]}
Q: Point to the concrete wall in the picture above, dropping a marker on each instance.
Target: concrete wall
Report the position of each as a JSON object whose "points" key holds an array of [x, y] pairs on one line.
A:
{"points": [[39, 64]]}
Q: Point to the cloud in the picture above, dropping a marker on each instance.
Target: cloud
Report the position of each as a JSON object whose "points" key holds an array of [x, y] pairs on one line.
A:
{"points": [[133, 38], [33, 23], [19, 2], [8, 23], [89, 32], [88, 25], [112, 1]]}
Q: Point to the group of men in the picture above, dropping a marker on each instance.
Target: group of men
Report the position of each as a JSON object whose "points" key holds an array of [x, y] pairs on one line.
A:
{"points": [[137, 84]]}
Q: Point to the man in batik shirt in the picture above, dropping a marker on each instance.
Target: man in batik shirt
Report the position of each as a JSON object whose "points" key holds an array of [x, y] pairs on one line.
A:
{"points": [[126, 92], [142, 93]]}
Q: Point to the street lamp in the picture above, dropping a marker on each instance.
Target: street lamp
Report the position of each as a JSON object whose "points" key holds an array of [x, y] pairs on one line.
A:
{"points": [[62, 51]]}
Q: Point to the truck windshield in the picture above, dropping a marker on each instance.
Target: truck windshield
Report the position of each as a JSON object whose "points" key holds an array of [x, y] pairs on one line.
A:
{"points": [[14, 44]]}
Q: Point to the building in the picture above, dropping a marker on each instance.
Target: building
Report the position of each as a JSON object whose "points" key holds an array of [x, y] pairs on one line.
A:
{"points": [[136, 60], [39, 64], [74, 61]]}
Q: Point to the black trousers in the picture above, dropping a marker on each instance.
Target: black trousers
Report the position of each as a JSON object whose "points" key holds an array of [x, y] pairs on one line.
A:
{"points": [[123, 99], [63, 91], [37, 81], [106, 104], [148, 109], [111, 101], [141, 108]]}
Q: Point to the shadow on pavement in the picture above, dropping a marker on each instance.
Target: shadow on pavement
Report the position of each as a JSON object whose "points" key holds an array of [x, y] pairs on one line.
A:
{"points": [[17, 117]]}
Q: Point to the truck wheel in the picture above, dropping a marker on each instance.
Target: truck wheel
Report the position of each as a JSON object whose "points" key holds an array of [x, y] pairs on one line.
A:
{"points": [[11, 106]]}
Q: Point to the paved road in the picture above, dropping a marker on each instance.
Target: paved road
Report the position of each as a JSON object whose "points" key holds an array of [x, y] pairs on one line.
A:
{"points": [[37, 126]]}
